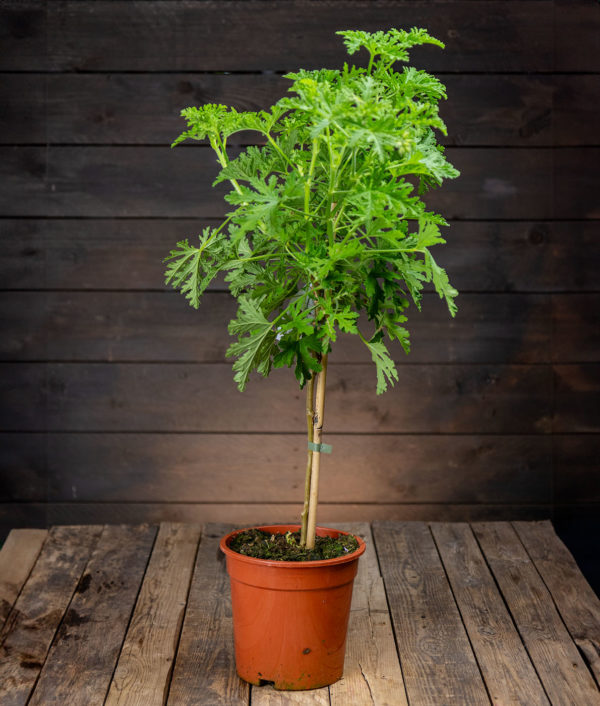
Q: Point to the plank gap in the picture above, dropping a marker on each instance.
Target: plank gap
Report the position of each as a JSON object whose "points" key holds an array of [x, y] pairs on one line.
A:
{"points": [[183, 616], [133, 605]]}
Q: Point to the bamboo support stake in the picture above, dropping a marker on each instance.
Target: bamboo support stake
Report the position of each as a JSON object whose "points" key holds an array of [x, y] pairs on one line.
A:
{"points": [[310, 413], [316, 456]]}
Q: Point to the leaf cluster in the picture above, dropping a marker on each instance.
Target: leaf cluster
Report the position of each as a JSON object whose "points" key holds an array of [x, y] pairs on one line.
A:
{"points": [[328, 229]]}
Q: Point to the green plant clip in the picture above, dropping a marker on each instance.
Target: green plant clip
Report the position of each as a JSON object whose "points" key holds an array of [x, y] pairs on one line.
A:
{"points": [[319, 448]]}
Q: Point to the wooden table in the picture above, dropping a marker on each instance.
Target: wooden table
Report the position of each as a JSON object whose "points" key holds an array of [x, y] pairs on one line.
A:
{"points": [[442, 614]]}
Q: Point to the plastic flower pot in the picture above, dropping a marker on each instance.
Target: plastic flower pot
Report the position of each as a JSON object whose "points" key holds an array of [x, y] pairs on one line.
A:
{"points": [[290, 618]]}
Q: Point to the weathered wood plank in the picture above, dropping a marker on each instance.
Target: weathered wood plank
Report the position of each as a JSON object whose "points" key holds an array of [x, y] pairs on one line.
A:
{"points": [[576, 474], [576, 390], [111, 326], [37, 613], [17, 558], [576, 320], [372, 673], [437, 661], [404, 468], [115, 467], [506, 668], [577, 603], [156, 181], [130, 181], [516, 328], [204, 670], [521, 110], [23, 472], [22, 28], [514, 37], [483, 256], [83, 656], [146, 660], [268, 696], [492, 109], [252, 513], [559, 665], [150, 397]]}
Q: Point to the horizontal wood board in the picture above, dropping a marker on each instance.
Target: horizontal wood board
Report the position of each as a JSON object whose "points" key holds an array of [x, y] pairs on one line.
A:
{"points": [[113, 467], [430, 399], [115, 108], [103, 367], [127, 254], [217, 36], [162, 327], [126, 181], [123, 327]]}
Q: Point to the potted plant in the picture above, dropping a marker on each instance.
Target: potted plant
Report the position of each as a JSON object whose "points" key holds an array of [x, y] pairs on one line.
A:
{"points": [[327, 233]]}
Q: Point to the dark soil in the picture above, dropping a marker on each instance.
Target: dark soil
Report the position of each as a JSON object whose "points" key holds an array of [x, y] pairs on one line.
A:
{"points": [[286, 547]]}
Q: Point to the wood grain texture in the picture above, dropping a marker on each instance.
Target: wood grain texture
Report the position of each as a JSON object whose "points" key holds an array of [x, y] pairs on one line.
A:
{"points": [[151, 397], [576, 468], [559, 665], [528, 256], [438, 664], [505, 665], [159, 326], [577, 603], [576, 324], [113, 108], [372, 673], [500, 37], [148, 653], [39, 609], [576, 394], [84, 653], [17, 558], [204, 670], [201, 468], [268, 696], [12, 514], [156, 181]]}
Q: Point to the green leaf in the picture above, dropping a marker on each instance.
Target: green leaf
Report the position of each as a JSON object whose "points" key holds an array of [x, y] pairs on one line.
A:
{"points": [[386, 370], [256, 341], [390, 45], [442, 285], [188, 270], [302, 351]]}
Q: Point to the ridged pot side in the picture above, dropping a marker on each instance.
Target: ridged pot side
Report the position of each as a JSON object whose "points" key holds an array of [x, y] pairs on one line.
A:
{"points": [[290, 618]]}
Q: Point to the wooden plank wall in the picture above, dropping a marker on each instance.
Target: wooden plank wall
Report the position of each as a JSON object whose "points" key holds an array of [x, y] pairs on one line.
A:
{"points": [[116, 401]]}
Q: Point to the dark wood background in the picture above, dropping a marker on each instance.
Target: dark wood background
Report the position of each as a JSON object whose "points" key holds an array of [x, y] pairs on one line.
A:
{"points": [[117, 403]]}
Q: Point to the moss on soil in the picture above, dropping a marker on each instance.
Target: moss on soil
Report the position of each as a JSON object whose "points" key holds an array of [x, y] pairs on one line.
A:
{"points": [[286, 547]]}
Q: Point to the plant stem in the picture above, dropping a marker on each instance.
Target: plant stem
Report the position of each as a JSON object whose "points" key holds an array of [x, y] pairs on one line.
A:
{"points": [[310, 413], [316, 456]]}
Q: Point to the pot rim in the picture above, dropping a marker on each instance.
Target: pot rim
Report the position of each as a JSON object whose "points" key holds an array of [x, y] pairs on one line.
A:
{"points": [[223, 545]]}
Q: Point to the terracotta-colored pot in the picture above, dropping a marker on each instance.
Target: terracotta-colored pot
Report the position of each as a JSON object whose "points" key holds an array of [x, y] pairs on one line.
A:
{"points": [[290, 618]]}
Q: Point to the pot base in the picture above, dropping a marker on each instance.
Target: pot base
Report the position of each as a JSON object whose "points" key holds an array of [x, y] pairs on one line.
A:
{"points": [[299, 685]]}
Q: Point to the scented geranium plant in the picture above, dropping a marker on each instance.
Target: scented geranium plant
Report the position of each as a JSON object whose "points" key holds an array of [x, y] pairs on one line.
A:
{"points": [[327, 230]]}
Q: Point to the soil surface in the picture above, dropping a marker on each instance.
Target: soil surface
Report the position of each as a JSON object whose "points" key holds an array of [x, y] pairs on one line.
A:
{"points": [[286, 547]]}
